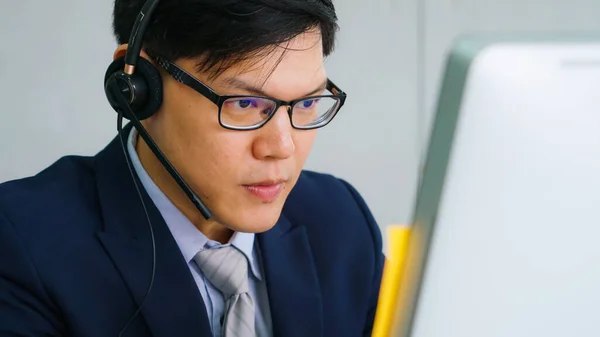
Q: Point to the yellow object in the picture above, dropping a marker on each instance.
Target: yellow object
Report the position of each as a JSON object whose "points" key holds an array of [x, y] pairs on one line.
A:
{"points": [[391, 280]]}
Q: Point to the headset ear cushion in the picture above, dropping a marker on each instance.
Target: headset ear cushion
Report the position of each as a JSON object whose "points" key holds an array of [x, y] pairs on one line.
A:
{"points": [[147, 72], [155, 88]]}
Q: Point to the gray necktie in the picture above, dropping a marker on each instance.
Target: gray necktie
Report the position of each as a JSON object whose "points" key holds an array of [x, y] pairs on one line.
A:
{"points": [[227, 269]]}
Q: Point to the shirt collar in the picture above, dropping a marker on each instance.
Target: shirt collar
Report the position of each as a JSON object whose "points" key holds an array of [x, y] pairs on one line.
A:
{"points": [[189, 239]]}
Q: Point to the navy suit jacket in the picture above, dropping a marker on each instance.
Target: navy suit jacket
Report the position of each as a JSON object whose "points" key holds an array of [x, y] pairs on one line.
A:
{"points": [[76, 258]]}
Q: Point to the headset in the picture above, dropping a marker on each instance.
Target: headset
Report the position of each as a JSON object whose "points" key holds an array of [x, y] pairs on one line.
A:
{"points": [[133, 87]]}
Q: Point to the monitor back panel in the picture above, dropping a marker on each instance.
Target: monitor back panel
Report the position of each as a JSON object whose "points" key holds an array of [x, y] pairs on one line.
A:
{"points": [[507, 222]]}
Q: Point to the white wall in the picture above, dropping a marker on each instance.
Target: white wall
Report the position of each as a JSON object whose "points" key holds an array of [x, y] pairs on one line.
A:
{"points": [[389, 58], [53, 55]]}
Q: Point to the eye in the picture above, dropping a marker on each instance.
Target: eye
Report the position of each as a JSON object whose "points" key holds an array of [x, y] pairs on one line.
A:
{"points": [[246, 103], [309, 103]]}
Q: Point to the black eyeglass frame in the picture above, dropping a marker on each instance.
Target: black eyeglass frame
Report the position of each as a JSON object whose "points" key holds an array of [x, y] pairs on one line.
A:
{"points": [[189, 80]]}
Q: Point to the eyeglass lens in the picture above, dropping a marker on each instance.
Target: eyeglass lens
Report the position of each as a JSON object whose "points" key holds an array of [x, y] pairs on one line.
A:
{"points": [[249, 111]]}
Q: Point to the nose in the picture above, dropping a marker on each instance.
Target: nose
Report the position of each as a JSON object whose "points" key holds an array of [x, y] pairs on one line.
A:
{"points": [[274, 140]]}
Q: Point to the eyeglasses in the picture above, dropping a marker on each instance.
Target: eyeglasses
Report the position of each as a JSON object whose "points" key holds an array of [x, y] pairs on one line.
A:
{"points": [[246, 112]]}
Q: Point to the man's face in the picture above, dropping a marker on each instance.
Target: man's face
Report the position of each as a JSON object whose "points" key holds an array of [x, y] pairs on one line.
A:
{"points": [[244, 177]]}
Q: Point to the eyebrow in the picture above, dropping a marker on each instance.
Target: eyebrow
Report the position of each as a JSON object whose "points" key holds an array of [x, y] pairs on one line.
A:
{"points": [[236, 83]]}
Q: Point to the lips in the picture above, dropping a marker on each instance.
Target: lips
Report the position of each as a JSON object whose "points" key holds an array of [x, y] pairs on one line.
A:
{"points": [[266, 191]]}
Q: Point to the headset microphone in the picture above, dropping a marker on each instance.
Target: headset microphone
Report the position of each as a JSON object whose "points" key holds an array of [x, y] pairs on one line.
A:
{"points": [[133, 87], [113, 89]]}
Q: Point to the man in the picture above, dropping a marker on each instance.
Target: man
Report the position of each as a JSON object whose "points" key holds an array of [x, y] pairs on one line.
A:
{"points": [[113, 245]]}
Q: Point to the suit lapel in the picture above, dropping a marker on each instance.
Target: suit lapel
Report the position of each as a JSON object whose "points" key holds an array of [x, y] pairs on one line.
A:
{"points": [[294, 293], [174, 306]]}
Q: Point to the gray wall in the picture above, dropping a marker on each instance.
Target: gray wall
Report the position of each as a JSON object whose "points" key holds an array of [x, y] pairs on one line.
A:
{"points": [[389, 60]]}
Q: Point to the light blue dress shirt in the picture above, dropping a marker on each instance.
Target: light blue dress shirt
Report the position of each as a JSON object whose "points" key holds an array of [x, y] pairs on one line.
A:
{"points": [[190, 241]]}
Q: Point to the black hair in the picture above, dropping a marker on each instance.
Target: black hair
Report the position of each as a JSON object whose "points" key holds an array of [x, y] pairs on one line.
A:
{"points": [[221, 33]]}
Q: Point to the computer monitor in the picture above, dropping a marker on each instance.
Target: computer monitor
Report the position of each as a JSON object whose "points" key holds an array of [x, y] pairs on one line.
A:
{"points": [[506, 230]]}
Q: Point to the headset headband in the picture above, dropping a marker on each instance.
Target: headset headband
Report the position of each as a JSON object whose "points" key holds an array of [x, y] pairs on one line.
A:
{"points": [[137, 35]]}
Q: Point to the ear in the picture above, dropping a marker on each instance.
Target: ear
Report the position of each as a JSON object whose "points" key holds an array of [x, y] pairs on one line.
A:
{"points": [[120, 52]]}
